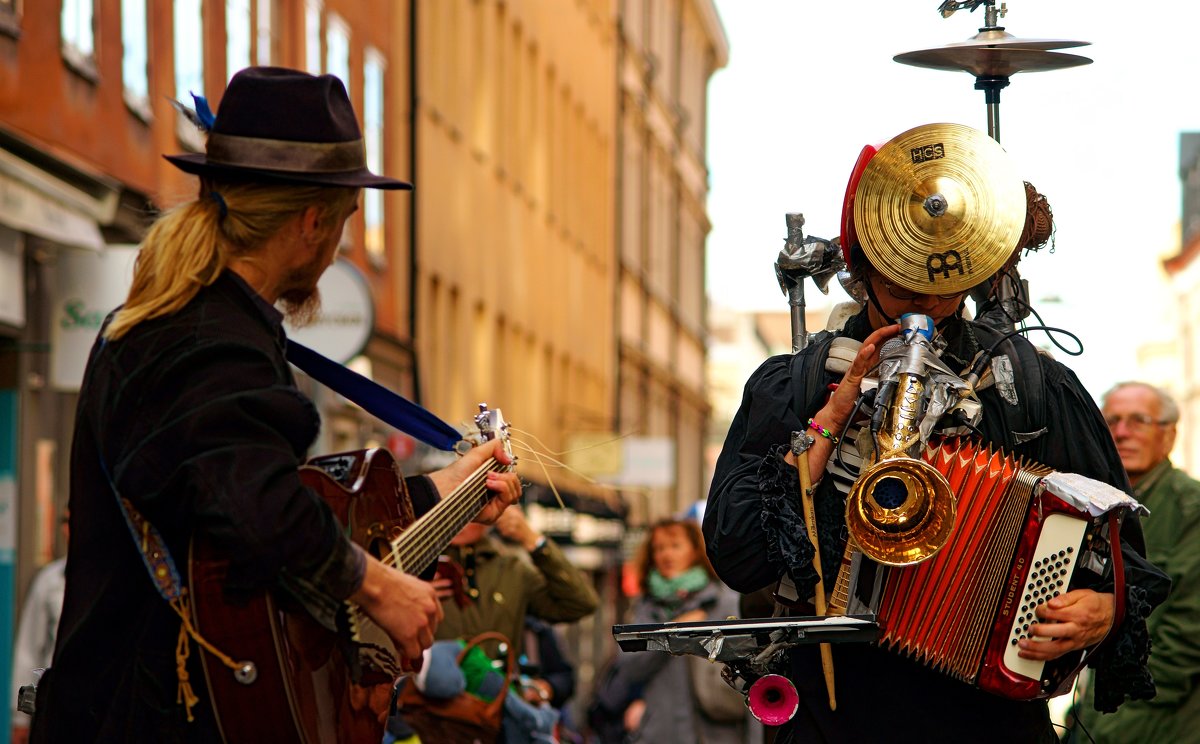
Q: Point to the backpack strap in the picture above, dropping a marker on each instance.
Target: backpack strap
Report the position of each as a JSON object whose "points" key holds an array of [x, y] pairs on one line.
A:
{"points": [[1025, 419]]}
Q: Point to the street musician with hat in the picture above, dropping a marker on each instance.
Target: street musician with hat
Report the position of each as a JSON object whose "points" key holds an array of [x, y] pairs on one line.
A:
{"points": [[190, 428], [928, 216]]}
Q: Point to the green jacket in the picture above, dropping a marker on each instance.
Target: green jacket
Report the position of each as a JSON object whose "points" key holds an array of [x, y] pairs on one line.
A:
{"points": [[1173, 544], [508, 584]]}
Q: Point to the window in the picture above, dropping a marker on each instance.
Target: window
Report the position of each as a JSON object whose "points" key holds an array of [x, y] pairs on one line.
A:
{"points": [[189, 65], [373, 68], [134, 56], [78, 40], [238, 23], [189, 50], [312, 36], [337, 49], [266, 41]]}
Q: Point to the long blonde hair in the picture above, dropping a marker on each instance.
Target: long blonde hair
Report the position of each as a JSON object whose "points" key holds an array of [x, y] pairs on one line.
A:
{"points": [[189, 246]]}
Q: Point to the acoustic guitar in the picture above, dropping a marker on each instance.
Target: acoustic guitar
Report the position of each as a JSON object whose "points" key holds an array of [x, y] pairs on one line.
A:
{"points": [[297, 679]]}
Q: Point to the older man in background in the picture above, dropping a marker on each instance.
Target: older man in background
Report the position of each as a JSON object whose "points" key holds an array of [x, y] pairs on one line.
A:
{"points": [[1142, 419]]}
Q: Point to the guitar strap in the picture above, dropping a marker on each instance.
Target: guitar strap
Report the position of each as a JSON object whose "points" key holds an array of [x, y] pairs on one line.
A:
{"points": [[164, 573], [374, 398]]}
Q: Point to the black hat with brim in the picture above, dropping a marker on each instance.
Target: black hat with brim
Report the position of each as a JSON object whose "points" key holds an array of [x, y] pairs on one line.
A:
{"points": [[285, 126]]}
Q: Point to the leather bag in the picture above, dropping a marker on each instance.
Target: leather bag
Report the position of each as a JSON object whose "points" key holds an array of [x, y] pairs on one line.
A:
{"points": [[465, 717]]}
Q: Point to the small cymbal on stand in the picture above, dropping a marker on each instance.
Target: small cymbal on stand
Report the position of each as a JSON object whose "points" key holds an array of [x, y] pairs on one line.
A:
{"points": [[993, 56], [991, 61]]}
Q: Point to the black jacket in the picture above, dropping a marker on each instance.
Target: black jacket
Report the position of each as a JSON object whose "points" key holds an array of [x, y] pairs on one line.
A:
{"points": [[196, 420]]}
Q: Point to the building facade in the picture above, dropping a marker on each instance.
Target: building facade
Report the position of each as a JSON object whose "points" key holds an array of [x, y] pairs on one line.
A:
{"points": [[1183, 270], [669, 49]]}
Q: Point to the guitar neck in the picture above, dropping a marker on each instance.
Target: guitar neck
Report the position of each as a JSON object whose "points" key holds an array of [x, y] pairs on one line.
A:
{"points": [[424, 540]]}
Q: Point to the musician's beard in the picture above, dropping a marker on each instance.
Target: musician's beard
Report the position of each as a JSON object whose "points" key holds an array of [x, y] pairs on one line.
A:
{"points": [[301, 306]]}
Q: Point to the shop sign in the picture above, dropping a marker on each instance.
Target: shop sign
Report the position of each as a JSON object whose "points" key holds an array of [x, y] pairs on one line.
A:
{"points": [[347, 317], [89, 287]]}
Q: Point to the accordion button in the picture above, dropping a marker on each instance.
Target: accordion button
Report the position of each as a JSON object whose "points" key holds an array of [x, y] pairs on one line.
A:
{"points": [[1070, 550]]}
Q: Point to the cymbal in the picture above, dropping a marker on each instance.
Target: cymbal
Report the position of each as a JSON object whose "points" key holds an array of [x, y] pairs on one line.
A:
{"points": [[939, 208], [991, 60], [998, 37]]}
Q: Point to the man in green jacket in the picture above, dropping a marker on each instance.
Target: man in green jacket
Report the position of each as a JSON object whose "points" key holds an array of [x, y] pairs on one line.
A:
{"points": [[1142, 419], [500, 586]]}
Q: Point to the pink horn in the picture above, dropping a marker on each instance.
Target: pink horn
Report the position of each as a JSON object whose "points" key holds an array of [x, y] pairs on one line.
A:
{"points": [[773, 700]]}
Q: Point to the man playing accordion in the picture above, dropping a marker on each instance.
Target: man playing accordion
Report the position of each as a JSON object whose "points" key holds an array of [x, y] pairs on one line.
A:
{"points": [[754, 523]]}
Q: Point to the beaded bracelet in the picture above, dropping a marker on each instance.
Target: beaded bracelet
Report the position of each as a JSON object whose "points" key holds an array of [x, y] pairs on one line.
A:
{"points": [[823, 431]]}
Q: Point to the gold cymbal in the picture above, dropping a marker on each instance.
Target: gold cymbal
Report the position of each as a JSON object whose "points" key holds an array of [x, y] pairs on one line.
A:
{"points": [[939, 208], [991, 60]]}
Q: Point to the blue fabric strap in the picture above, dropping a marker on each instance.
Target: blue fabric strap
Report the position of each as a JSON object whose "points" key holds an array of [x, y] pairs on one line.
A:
{"points": [[377, 400]]}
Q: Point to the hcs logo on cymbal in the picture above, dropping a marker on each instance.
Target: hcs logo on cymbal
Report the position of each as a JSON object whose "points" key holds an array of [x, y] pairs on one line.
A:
{"points": [[928, 152]]}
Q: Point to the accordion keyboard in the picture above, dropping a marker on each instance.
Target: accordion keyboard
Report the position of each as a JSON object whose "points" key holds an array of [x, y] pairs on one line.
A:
{"points": [[1049, 575]]}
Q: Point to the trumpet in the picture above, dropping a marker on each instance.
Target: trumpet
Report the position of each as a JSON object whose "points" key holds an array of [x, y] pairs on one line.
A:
{"points": [[900, 511]]}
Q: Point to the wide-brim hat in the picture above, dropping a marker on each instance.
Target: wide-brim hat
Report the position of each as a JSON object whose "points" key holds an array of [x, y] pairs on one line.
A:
{"points": [[287, 126], [937, 209]]}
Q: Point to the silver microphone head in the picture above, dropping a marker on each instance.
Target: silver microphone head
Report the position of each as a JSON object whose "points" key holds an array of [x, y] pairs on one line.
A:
{"points": [[893, 347]]}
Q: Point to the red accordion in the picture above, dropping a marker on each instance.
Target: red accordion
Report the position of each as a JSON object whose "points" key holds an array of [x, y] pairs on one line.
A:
{"points": [[1015, 545]]}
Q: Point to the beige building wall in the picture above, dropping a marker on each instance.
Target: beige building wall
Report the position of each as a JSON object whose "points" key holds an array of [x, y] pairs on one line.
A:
{"points": [[1184, 272], [514, 175], [668, 51]]}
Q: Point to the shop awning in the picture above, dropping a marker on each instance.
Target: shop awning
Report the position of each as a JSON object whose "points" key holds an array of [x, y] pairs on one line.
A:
{"points": [[26, 209]]}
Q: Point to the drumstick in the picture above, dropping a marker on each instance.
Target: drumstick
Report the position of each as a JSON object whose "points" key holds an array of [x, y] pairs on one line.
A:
{"points": [[810, 521]]}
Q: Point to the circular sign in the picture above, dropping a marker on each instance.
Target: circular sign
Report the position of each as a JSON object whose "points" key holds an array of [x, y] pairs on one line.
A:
{"points": [[343, 327]]}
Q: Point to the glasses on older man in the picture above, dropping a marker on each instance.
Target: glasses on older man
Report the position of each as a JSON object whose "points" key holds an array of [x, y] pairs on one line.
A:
{"points": [[1137, 422], [900, 293]]}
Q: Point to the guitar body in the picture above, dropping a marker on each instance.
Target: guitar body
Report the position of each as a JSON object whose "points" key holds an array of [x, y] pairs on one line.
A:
{"points": [[304, 687]]}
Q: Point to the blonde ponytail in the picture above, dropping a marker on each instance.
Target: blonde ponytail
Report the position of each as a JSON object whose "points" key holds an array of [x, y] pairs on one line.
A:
{"points": [[189, 246]]}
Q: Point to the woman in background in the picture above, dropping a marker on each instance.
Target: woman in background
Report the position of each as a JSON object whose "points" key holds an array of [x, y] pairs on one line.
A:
{"points": [[678, 585]]}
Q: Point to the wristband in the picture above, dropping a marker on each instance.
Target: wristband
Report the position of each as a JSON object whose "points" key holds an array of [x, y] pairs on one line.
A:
{"points": [[823, 431]]}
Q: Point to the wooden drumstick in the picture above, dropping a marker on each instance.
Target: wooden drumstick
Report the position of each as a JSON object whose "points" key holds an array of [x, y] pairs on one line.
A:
{"points": [[801, 441]]}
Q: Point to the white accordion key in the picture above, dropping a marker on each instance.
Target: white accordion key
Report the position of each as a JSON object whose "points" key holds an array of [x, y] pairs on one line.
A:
{"points": [[1049, 575]]}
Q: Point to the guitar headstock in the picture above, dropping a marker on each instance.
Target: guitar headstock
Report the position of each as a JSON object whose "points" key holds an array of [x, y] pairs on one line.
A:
{"points": [[491, 425]]}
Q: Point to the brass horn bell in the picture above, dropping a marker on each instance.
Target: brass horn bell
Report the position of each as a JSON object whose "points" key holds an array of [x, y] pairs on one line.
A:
{"points": [[900, 511]]}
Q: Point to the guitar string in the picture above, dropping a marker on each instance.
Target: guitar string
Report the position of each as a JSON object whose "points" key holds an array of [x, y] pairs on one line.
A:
{"points": [[453, 510], [443, 520]]}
